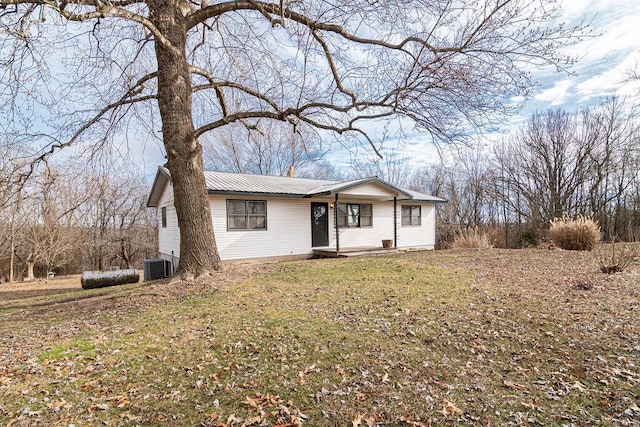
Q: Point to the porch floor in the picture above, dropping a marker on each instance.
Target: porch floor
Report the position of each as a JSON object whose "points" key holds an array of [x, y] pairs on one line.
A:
{"points": [[354, 251]]}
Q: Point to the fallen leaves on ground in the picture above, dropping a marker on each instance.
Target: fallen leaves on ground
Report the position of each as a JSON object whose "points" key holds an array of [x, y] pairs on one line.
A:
{"points": [[453, 337]]}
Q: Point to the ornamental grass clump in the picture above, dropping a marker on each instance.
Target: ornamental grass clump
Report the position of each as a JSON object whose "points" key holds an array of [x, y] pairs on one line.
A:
{"points": [[579, 234], [471, 238]]}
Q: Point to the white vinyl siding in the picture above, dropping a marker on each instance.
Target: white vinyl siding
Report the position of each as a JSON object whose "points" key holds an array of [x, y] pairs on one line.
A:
{"points": [[421, 236], [288, 230], [369, 190], [169, 236], [382, 228]]}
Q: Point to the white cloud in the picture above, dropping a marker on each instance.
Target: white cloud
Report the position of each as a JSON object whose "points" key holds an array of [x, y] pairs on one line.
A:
{"points": [[556, 95], [421, 151], [614, 26], [611, 81], [603, 64], [604, 61]]}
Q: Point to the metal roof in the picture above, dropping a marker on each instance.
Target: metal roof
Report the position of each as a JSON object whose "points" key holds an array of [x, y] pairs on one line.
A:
{"points": [[421, 197], [237, 183], [225, 182]]}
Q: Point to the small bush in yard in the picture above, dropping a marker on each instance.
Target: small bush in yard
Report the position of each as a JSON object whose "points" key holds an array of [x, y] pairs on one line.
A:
{"points": [[445, 234], [579, 234], [471, 238], [618, 258]]}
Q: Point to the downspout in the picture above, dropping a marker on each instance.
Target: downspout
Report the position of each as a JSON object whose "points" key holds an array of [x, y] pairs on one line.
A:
{"points": [[335, 217], [395, 222]]}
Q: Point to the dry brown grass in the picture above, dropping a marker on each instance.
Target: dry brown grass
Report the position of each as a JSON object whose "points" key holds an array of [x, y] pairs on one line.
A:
{"points": [[500, 337], [471, 238], [575, 234]]}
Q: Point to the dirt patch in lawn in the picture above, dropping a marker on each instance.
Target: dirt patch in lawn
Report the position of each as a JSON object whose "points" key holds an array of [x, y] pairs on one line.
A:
{"points": [[22, 290], [493, 337]]}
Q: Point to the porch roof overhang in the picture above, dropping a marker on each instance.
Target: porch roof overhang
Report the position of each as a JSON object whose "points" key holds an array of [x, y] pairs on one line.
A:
{"points": [[389, 190], [421, 197]]}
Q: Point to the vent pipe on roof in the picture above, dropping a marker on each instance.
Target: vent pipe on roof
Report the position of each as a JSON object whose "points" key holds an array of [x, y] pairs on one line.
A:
{"points": [[292, 172]]}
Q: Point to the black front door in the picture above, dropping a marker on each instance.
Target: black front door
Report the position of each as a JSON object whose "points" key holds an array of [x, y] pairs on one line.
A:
{"points": [[319, 224]]}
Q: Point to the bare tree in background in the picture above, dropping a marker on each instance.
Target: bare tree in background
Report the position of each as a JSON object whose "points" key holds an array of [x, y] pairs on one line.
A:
{"points": [[88, 66], [271, 151], [118, 228], [323, 169], [50, 233], [11, 216], [68, 218], [614, 167], [11, 168], [392, 167], [573, 163], [547, 162], [578, 163], [461, 178]]}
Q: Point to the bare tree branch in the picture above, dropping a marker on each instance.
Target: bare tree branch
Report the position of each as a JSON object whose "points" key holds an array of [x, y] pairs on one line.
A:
{"points": [[446, 66], [110, 9], [60, 145], [208, 12]]}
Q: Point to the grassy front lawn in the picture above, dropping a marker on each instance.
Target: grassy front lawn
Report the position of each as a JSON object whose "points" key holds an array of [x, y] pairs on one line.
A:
{"points": [[452, 337]]}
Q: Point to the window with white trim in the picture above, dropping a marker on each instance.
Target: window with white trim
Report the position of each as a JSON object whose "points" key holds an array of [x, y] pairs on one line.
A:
{"points": [[246, 214], [163, 216], [355, 215], [411, 215]]}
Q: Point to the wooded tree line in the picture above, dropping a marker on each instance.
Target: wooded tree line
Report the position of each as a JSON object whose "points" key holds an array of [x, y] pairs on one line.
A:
{"points": [[81, 71], [91, 216], [559, 162], [69, 218]]}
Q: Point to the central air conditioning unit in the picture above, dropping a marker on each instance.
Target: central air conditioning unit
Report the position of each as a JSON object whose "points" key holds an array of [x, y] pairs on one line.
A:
{"points": [[156, 268]]}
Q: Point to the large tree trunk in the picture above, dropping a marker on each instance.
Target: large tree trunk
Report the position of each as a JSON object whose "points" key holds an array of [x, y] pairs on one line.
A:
{"points": [[125, 252], [198, 252], [30, 266], [12, 255]]}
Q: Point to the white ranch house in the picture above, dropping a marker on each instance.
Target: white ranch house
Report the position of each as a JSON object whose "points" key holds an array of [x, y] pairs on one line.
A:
{"points": [[269, 217]]}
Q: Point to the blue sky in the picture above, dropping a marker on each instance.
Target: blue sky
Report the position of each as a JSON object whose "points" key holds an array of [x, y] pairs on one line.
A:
{"points": [[603, 61], [603, 64]]}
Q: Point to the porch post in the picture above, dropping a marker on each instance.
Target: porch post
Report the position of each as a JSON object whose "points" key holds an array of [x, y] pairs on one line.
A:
{"points": [[335, 217], [395, 222]]}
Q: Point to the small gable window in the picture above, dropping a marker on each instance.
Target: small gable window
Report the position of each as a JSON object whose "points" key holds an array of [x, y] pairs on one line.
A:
{"points": [[246, 215], [163, 215], [355, 215], [411, 215]]}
